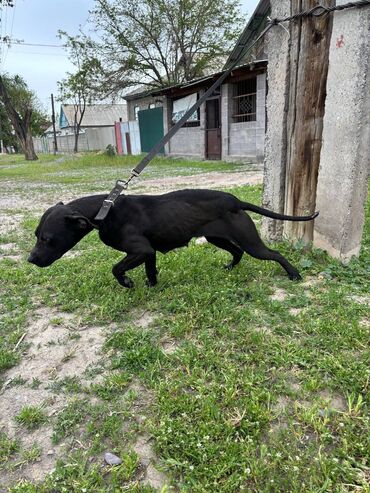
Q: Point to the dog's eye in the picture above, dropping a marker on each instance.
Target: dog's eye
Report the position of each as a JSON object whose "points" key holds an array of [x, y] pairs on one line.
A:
{"points": [[45, 240]]}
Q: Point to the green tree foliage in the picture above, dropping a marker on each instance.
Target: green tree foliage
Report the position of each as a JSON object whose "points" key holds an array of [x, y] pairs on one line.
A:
{"points": [[22, 115], [159, 42]]}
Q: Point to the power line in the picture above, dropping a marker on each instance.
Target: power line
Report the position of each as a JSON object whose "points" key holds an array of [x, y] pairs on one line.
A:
{"points": [[7, 40], [65, 55]]}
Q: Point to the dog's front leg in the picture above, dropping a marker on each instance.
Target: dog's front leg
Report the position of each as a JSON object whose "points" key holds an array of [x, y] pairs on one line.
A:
{"points": [[129, 262], [151, 270]]}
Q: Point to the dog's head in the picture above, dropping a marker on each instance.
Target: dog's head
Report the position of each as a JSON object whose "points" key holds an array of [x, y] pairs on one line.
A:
{"points": [[59, 230]]}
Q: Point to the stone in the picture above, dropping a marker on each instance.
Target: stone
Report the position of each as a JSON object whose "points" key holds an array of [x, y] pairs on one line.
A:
{"points": [[112, 459]]}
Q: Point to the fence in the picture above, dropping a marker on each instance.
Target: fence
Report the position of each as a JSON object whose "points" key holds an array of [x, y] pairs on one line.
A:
{"points": [[127, 135], [91, 139], [45, 145]]}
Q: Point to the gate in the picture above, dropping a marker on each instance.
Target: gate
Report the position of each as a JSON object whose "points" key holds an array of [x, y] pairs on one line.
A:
{"points": [[151, 128]]}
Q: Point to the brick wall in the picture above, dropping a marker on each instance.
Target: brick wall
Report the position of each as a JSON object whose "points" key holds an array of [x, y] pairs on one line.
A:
{"points": [[243, 141]]}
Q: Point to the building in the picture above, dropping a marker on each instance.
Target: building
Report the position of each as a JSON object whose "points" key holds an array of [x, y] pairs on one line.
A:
{"points": [[230, 125], [97, 129]]}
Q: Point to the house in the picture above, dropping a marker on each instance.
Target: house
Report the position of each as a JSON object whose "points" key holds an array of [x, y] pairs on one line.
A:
{"points": [[97, 129], [230, 125], [97, 123]]}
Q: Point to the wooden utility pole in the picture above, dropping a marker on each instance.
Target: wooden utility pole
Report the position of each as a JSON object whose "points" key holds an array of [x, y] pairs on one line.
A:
{"points": [[53, 120], [308, 69]]}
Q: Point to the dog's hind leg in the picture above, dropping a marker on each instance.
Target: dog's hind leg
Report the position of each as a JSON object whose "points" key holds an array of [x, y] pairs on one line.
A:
{"points": [[245, 234], [236, 252], [151, 270]]}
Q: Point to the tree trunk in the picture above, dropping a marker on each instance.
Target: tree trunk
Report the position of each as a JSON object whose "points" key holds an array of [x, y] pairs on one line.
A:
{"points": [[21, 125], [28, 148], [309, 60], [77, 133]]}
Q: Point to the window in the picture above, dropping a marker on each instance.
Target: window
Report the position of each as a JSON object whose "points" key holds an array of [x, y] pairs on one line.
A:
{"points": [[136, 111], [245, 100], [181, 106]]}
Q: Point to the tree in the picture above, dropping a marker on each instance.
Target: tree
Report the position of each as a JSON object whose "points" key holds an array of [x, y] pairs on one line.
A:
{"points": [[77, 89], [23, 112], [8, 138], [157, 43]]}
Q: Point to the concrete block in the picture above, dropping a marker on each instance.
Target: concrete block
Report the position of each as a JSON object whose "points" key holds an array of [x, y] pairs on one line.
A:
{"points": [[345, 153]]}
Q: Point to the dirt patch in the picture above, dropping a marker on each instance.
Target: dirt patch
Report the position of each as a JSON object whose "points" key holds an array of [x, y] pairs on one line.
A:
{"points": [[281, 404], [311, 281], [333, 401], [144, 319], [169, 347], [295, 311], [201, 180], [263, 330], [279, 295], [10, 251], [11, 403], [152, 476], [9, 223], [57, 346], [8, 247], [361, 300], [14, 258]]}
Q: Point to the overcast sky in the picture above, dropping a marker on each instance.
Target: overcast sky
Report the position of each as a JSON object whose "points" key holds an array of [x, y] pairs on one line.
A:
{"points": [[38, 21]]}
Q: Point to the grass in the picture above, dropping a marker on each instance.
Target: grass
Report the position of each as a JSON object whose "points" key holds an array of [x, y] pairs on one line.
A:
{"points": [[255, 397], [31, 417]]}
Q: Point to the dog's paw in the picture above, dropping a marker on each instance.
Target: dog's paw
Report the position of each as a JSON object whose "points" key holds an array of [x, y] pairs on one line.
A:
{"points": [[296, 276], [150, 283], [126, 282], [229, 266]]}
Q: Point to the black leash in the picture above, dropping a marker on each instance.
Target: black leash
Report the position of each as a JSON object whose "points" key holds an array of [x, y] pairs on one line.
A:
{"points": [[121, 185]]}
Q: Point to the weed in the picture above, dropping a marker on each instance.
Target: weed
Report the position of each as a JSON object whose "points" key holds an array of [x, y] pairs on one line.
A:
{"points": [[8, 447], [31, 417]]}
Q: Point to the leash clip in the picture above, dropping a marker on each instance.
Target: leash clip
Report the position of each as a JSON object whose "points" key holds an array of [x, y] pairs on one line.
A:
{"points": [[122, 183]]}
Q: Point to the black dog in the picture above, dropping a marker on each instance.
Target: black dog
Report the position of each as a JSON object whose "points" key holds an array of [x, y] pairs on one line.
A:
{"points": [[141, 225]]}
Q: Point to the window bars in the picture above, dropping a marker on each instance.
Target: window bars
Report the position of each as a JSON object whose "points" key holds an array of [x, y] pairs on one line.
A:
{"points": [[245, 100]]}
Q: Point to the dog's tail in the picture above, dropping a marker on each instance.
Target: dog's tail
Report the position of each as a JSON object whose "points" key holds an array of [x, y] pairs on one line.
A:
{"points": [[246, 206]]}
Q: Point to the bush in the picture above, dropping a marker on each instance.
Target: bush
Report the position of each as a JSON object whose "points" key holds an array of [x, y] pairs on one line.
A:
{"points": [[110, 150]]}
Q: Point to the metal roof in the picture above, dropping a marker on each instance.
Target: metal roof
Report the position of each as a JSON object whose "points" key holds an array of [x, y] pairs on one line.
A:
{"points": [[256, 23], [256, 64], [97, 115]]}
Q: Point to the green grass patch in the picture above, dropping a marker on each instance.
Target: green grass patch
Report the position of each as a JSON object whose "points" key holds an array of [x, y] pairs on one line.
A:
{"points": [[8, 447], [31, 417]]}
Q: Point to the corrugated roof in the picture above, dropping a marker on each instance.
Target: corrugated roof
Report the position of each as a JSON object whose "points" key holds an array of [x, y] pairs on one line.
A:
{"points": [[97, 115], [256, 23], [256, 64]]}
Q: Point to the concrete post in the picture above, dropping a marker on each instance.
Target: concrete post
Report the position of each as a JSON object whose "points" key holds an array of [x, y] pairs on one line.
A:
{"points": [[276, 139], [345, 154]]}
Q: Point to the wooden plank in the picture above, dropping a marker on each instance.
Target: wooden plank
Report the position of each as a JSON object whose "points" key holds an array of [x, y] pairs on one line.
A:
{"points": [[309, 60]]}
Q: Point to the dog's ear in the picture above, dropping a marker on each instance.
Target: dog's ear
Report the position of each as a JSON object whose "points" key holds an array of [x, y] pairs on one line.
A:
{"points": [[80, 221]]}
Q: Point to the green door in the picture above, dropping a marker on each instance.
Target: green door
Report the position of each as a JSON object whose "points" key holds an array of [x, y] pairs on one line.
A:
{"points": [[151, 128]]}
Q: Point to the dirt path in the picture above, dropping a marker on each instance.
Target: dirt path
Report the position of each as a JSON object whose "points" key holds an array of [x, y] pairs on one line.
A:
{"points": [[19, 198]]}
